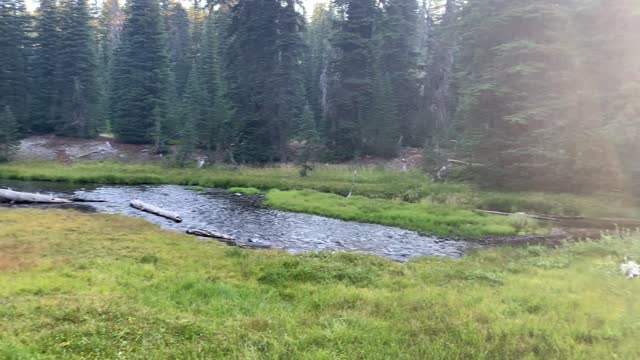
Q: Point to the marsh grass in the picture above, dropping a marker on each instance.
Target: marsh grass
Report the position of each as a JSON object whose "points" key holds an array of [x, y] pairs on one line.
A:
{"points": [[425, 217], [371, 182], [105, 286]]}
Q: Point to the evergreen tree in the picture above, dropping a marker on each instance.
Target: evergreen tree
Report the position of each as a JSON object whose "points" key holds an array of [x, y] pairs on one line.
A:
{"points": [[509, 95], [351, 75], [304, 128], [252, 59], [46, 62], [217, 131], [317, 61], [179, 45], [140, 76], [78, 86], [438, 96], [8, 134], [14, 45], [108, 30], [194, 112], [289, 95], [398, 53], [383, 130], [198, 18], [526, 108]]}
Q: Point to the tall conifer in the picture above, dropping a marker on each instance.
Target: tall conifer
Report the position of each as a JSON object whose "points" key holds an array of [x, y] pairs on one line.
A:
{"points": [[140, 76]]}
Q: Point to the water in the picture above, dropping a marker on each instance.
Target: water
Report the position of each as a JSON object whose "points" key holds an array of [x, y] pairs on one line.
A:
{"points": [[244, 218]]}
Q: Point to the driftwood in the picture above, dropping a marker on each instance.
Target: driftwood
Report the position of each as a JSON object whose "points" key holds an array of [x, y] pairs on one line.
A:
{"points": [[444, 170], [107, 148], [23, 197], [223, 238], [151, 209], [83, 200], [533, 216]]}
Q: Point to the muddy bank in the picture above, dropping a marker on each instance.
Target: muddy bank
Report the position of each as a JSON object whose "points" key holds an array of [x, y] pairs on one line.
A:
{"points": [[64, 149]]}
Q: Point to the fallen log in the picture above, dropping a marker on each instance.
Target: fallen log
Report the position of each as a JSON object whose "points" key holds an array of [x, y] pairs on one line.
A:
{"points": [[444, 170], [107, 148], [23, 197], [83, 200], [223, 238], [151, 209], [533, 216], [460, 162]]}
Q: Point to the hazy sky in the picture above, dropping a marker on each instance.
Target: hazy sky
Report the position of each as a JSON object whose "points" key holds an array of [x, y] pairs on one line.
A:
{"points": [[32, 4]]}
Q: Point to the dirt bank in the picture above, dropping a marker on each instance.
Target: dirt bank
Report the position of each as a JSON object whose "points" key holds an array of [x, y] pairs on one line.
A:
{"points": [[56, 148]]}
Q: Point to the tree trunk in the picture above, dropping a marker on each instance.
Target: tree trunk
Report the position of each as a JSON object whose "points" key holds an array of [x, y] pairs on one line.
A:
{"points": [[22, 197], [227, 239], [151, 209]]}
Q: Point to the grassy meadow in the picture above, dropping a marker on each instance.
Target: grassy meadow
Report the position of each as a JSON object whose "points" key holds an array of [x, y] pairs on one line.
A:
{"points": [[423, 217], [75, 285]]}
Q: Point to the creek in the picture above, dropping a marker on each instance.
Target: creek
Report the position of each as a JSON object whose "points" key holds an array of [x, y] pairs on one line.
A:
{"points": [[245, 219]]}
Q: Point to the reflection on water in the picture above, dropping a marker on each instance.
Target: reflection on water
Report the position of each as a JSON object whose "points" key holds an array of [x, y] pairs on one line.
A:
{"points": [[242, 217]]}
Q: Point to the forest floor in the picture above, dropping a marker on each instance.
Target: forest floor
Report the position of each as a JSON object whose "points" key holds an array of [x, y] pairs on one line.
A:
{"points": [[106, 148], [405, 199], [65, 149], [77, 285]]}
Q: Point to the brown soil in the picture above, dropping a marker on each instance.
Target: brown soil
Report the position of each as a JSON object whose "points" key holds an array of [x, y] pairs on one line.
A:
{"points": [[14, 256], [65, 149]]}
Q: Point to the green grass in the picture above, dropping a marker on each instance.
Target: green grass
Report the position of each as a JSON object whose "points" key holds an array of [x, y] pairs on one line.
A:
{"points": [[424, 217], [78, 285], [597, 205], [371, 182]]}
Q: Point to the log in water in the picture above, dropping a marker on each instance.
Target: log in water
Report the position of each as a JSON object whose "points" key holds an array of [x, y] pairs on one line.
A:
{"points": [[227, 239], [23, 197], [151, 209]]}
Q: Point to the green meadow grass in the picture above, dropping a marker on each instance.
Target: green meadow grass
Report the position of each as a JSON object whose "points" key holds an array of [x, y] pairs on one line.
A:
{"points": [[371, 182], [424, 217], [76, 285]]}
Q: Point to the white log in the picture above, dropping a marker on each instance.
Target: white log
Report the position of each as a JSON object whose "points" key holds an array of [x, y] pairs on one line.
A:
{"points": [[223, 238], [23, 197], [534, 216], [151, 209], [460, 162], [213, 235]]}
